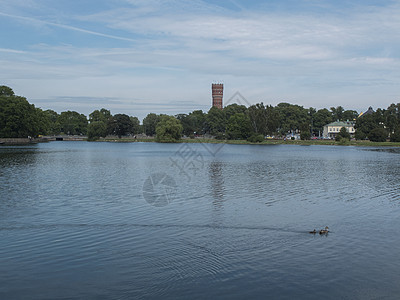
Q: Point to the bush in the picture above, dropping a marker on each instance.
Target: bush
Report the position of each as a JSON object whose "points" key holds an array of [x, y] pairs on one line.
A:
{"points": [[343, 141], [168, 130], [305, 135], [256, 138], [220, 136], [343, 134], [360, 135], [377, 135], [96, 130], [395, 137]]}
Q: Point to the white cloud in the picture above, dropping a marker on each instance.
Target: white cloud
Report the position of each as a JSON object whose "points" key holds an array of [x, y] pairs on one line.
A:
{"points": [[170, 51]]}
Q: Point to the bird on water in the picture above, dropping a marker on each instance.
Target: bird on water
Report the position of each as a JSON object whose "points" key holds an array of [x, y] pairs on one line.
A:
{"points": [[321, 231], [324, 231]]}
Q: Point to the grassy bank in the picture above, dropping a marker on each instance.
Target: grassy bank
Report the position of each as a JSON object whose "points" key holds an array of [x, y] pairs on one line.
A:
{"points": [[266, 142]]}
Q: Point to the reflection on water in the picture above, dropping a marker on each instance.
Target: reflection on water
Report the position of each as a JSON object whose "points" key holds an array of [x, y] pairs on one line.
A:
{"points": [[217, 184], [74, 223]]}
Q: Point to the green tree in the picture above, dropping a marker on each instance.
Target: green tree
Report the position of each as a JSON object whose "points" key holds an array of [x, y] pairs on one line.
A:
{"points": [[96, 129], [102, 115], [150, 123], [19, 118], [349, 115], [343, 134], [392, 119], [395, 136], [193, 123], [188, 128], [238, 127], [360, 135], [256, 138], [73, 123], [337, 113], [378, 135], [54, 124], [197, 118], [168, 130], [366, 123], [264, 119], [292, 117], [215, 121], [258, 118], [6, 91], [321, 118], [136, 128], [234, 109], [120, 125], [43, 123], [305, 131]]}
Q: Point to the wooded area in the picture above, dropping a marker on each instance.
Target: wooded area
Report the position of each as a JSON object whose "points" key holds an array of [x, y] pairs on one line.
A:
{"points": [[20, 119]]}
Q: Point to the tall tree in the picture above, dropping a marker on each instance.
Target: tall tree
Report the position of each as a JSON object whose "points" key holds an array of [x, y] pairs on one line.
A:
{"points": [[72, 122], [258, 118], [238, 126], [136, 128], [215, 121], [392, 118], [193, 123], [337, 113], [321, 118], [169, 129], [121, 125], [102, 115], [150, 123], [96, 129], [54, 124], [350, 115], [292, 117], [19, 118], [233, 109]]}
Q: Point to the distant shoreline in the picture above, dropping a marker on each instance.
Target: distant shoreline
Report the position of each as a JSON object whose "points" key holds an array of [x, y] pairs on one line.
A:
{"points": [[26, 141], [266, 142]]}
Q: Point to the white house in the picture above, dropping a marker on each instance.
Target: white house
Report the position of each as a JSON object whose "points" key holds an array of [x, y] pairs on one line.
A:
{"points": [[332, 129]]}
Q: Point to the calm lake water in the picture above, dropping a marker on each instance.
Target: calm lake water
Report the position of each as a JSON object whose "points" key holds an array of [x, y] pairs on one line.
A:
{"points": [[85, 220]]}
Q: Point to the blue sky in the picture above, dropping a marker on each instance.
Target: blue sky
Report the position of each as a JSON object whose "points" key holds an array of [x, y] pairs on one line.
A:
{"points": [[142, 56]]}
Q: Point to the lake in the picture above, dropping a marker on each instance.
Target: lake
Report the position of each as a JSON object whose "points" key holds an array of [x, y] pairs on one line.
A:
{"points": [[82, 220]]}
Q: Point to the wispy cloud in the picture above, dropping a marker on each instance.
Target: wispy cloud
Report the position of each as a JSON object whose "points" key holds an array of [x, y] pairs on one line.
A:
{"points": [[68, 27], [165, 52]]}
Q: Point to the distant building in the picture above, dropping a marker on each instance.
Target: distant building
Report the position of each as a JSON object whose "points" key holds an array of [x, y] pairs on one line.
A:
{"points": [[217, 94], [370, 111], [332, 129]]}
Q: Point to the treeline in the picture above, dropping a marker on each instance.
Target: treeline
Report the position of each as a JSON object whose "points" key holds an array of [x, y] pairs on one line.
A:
{"points": [[18, 118]]}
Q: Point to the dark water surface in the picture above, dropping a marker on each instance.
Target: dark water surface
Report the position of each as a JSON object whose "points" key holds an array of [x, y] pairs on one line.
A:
{"points": [[189, 221]]}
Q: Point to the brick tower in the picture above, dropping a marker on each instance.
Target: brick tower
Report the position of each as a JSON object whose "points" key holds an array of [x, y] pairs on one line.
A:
{"points": [[217, 94]]}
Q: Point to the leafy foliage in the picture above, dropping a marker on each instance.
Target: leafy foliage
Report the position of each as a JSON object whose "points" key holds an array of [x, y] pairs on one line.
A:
{"points": [[96, 130], [215, 121], [238, 126], [150, 123], [291, 117], [256, 138], [169, 129], [120, 124], [193, 123], [19, 118], [343, 134], [72, 122], [377, 135]]}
